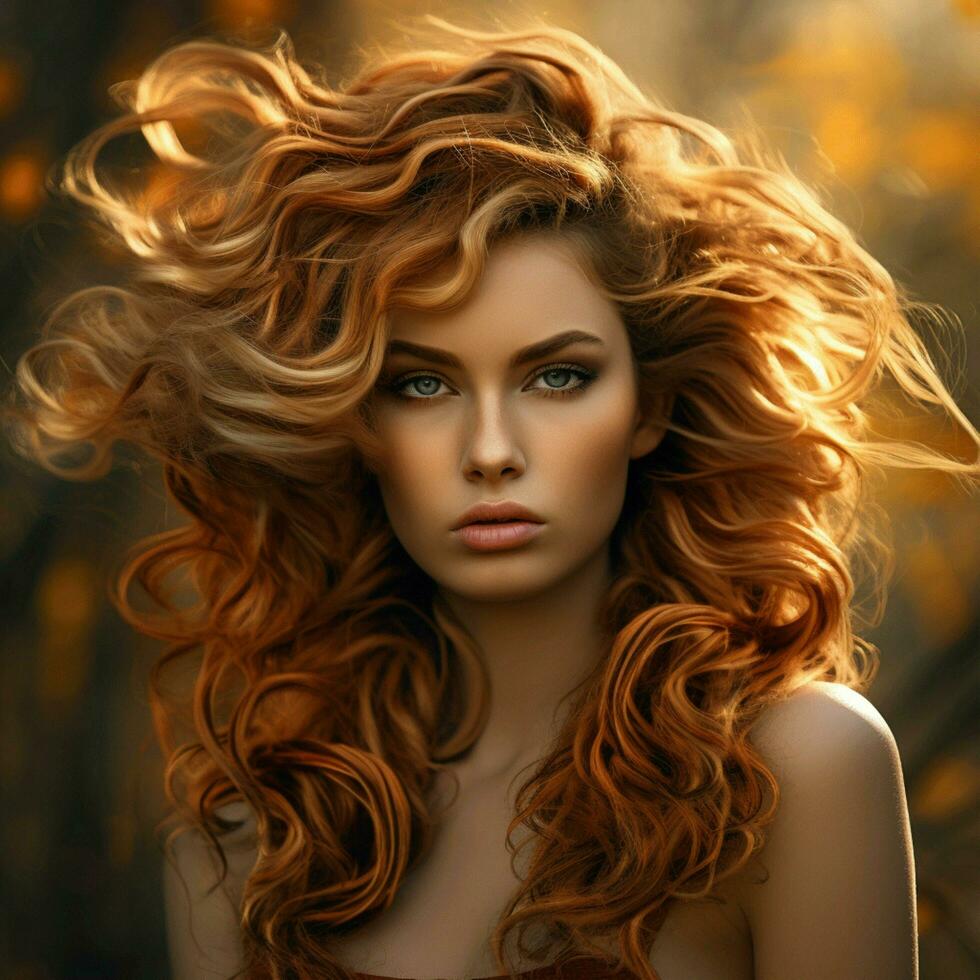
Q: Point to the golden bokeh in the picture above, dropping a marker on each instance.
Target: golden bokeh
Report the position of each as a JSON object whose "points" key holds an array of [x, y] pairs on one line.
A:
{"points": [[850, 137], [67, 603], [21, 183], [949, 786], [837, 53], [246, 13], [941, 144], [941, 601], [926, 914], [967, 8]]}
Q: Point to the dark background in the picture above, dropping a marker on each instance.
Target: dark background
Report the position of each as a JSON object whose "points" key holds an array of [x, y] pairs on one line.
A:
{"points": [[875, 102]]}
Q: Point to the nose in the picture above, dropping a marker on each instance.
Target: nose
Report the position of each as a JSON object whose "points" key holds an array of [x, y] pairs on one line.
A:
{"points": [[492, 450]]}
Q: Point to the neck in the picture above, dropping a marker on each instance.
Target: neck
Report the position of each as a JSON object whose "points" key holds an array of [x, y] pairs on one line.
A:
{"points": [[536, 650]]}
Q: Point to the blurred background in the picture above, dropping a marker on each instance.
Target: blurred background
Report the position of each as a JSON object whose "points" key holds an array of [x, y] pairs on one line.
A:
{"points": [[875, 102]]}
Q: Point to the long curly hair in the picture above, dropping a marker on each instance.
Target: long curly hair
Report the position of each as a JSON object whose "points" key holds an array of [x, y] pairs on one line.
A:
{"points": [[309, 669]]}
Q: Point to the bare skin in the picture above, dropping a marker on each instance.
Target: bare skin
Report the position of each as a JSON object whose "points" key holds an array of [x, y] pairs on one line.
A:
{"points": [[840, 897], [839, 901], [487, 432]]}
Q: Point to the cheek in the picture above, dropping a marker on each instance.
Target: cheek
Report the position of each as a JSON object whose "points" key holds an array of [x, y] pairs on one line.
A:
{"points": [[592, 453], [412, 469]]}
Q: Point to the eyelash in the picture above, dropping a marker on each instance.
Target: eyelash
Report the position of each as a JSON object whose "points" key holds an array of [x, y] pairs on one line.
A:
{"points": [[585, 375]]}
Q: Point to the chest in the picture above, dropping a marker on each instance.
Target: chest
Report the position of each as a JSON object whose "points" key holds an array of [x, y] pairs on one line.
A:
{"points": [[440, 923]]}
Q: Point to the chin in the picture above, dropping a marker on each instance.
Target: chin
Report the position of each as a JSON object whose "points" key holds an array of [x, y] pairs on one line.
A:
{"points": [[498, 592], [504, 578]]}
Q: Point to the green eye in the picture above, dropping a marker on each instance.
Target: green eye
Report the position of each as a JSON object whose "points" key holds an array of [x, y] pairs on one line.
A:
{"points": [[585, 376], [424, 380], [400, 386]]}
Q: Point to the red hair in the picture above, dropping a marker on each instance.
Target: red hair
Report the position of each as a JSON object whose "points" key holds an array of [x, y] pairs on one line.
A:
{"points": [[326, 684]]}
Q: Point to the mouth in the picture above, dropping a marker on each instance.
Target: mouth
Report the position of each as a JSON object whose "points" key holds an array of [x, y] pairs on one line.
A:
{"points": [[498, 535], [489, 513]]}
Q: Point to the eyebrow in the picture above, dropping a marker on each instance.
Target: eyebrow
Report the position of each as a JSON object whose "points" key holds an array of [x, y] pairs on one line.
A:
{"points": [[543, 348]]}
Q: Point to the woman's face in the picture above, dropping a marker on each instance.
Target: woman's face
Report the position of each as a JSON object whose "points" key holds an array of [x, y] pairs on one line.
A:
{"points": [[553, 433]]}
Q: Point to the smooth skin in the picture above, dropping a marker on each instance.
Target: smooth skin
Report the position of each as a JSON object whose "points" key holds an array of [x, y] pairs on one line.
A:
{"points": [[840, 897], [555, 435]]}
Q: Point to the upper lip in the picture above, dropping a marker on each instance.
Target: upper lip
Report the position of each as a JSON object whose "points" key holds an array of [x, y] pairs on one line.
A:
{"points": [[501, 510]]}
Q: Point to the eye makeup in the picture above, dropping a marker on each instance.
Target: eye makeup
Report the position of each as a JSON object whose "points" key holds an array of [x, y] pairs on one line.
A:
{"points": [[584, 375]]}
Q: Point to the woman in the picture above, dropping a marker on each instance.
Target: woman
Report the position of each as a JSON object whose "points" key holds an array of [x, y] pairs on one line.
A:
{"points": [[492, 283]]}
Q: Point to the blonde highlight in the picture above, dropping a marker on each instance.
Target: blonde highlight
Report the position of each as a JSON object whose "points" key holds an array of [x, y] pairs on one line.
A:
{"points": [[328, 684]]}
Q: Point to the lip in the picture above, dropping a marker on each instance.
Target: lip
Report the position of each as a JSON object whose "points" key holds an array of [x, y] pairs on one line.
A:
{"points": [[500, 510], [497, 537]]}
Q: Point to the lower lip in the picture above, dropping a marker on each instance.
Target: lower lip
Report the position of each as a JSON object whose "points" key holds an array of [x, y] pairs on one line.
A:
{"points": [[497, 537]]}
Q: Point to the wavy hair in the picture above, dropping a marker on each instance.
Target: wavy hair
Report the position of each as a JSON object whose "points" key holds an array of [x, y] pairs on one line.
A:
{"points": [[309, 669]]}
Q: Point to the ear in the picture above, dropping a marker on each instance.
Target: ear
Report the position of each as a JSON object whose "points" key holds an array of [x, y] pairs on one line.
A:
{"points": [[650, 425]]}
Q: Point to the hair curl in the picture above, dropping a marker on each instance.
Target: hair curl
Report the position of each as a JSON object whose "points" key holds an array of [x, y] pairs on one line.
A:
{"points": [[329, 684]]}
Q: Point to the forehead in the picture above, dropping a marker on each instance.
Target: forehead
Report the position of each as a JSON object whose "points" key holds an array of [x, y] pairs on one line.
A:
{"points": [[530, 287]]}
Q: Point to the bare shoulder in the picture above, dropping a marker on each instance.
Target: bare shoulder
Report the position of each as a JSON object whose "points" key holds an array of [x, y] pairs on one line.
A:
{"points": [[202, 917], [833, 886], [822, 723]]}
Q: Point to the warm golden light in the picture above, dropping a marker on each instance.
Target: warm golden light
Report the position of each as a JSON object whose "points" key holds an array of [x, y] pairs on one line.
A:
{"points": [[926, 914], [949, 786], [21, 184], [67, 604], [941, 145], [967, 8], [240, 13]]}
